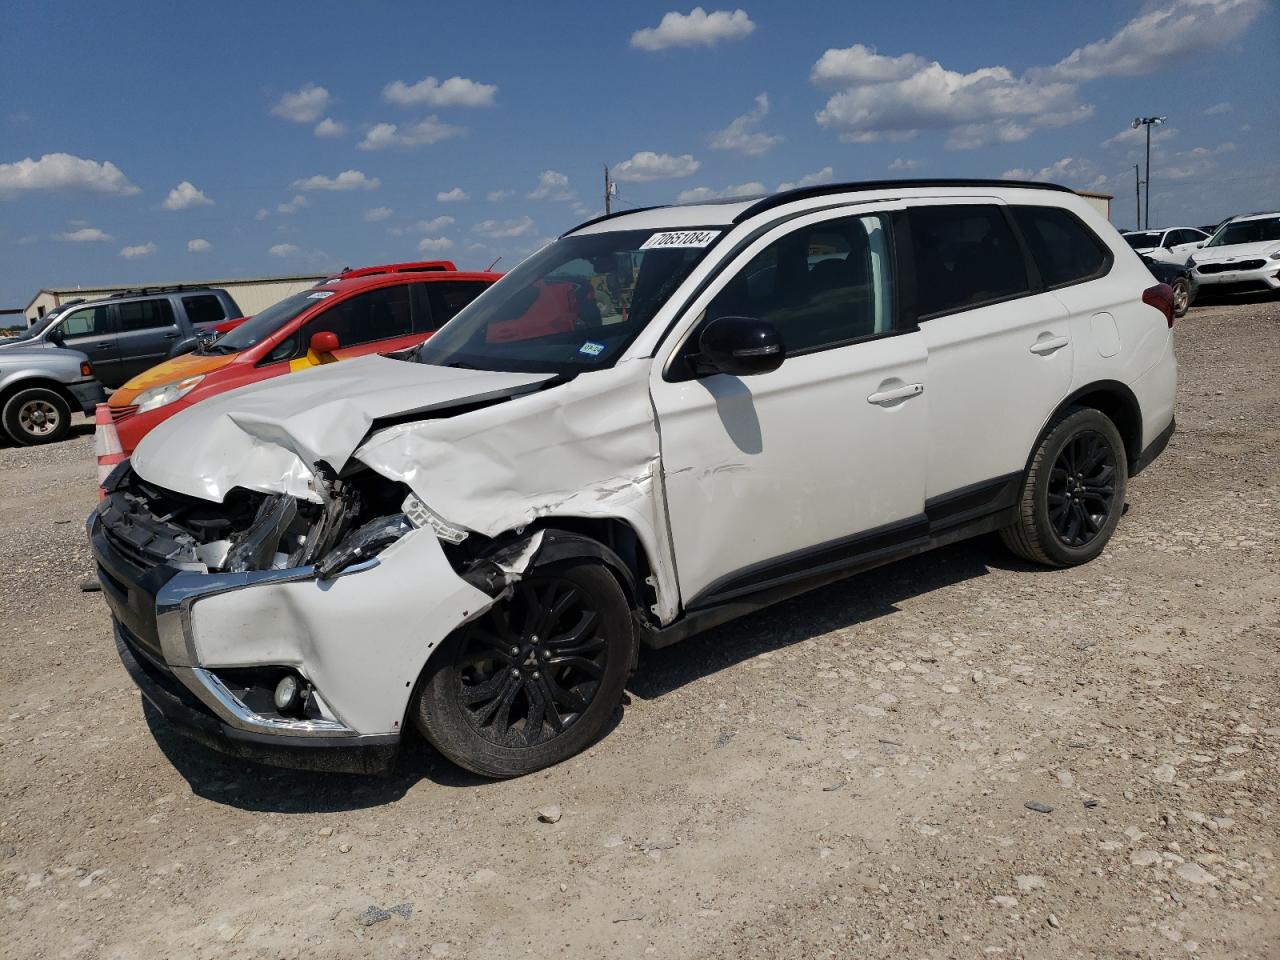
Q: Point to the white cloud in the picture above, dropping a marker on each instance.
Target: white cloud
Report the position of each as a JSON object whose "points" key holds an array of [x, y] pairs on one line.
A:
{"points": [[141, 250], [198, 245], [435, 224], [693, 29], [824, 175], [83, 235], [902, 163], [1066, 169], [497, 196], [702, 194], [504, 229], [859, 64], [424, 132], [1219, 108], [346, 180], [552, 185], [434, 244], [647, 165], [329, 127], [283, 250], [292, 206], [1158, 39], [186, 195], [377, 213], [454, 92], [1133, 136], [63, 171], [304, 105], [744, 135], [262, 214], [456, 195]]}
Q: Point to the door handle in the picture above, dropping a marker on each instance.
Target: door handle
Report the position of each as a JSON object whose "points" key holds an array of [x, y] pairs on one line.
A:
{"points": [[885, 397], [170, 336], [1045, 347]]}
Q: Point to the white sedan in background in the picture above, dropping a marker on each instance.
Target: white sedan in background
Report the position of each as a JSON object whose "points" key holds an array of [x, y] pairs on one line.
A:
{"points": [[1171, 245]]}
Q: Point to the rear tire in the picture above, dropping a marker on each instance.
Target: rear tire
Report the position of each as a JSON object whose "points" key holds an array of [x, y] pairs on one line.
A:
{"points": [[1181, 296], [1073, 493], [535, 680], [36, 415]]}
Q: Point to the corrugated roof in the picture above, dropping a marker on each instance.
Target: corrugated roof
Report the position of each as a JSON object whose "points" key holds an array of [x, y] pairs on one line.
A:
{"points": [[111, 288]]}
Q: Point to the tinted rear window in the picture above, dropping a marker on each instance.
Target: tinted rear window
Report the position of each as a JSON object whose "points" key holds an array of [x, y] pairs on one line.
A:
{"points": [[1064, 249], [144, 315], [204, 308], [965, 255]]}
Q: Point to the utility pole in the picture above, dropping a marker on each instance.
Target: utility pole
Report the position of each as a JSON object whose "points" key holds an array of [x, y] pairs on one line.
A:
{"points": [[608, 192], [1148, 122], [1137, 199]]}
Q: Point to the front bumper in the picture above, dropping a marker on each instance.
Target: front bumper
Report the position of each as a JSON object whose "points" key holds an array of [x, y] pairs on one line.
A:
{"points": [[359, 639], [88, 394], [1260, 280]]}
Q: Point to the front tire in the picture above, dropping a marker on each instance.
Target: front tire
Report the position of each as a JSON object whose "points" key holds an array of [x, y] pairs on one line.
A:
{"points": [[535, 680], [36, 415], [1181, 296], [1073, 493]]}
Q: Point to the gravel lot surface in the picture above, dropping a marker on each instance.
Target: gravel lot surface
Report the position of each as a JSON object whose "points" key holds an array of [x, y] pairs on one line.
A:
{"points": [[955, 756]]}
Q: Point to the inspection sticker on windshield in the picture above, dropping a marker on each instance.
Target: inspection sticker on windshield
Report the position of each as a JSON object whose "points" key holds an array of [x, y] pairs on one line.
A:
{"points": [[591, 348], [680, 238], [321, 295]]}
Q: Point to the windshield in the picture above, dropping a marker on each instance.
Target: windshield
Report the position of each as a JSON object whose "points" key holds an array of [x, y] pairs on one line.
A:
{"points": [[573, 306], [1140, 241], [262, 325], [1246, 231]]}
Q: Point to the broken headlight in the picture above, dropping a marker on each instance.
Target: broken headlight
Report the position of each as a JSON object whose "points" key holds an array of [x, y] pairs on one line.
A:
{"points": [[363, 543]]}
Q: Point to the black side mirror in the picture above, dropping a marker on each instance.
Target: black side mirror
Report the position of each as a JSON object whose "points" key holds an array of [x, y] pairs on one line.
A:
{"points": [[183, 345], [741, 346], [55, 337]]}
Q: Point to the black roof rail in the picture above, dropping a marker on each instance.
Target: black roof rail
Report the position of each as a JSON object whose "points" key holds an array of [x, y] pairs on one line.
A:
{"points": [[149, 291], [610, 216], [804, 193]]}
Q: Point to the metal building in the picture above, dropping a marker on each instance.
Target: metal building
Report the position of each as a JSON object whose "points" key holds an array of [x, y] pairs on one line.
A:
{"points": [[252, 293]]}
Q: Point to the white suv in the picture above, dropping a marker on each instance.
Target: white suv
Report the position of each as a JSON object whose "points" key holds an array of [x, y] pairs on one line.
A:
{"points": [[1242, 257], [662, 420]]}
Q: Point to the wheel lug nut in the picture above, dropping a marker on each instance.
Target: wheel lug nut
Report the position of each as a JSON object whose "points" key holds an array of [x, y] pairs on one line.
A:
{"points": [[515, 651], [536, 675], [515, 673]]}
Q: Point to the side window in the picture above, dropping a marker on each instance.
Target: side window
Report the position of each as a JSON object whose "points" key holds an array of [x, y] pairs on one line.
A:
{"points": [[144, 315], [89, 322], [205, 308], [446, 298], [822, 285], [964, 256], [377, 315], [1064, 249]]}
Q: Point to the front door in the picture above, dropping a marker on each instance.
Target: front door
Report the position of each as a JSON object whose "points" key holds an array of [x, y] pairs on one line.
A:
{"points": [[91, 331], [774, 476]]}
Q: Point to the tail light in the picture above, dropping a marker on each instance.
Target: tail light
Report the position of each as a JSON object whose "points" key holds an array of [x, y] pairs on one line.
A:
{"points": [[85, 369], [1161, 297]]}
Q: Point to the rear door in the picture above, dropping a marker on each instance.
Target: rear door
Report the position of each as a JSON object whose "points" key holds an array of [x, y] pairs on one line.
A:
{"points": [[91, 330], [204, 311], [999, 345], [147, 330]]}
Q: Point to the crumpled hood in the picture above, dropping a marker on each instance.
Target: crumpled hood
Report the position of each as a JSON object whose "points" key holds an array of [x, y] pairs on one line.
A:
{"points": [[268, 436], [1237, 251]]}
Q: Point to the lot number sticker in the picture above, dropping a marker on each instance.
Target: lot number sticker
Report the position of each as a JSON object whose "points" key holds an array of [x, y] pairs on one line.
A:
{"points": [[591, 348], [680, 238]]}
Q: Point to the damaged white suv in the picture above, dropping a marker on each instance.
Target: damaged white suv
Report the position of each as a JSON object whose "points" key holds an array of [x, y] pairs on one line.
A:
{"points": [[662, 420]]}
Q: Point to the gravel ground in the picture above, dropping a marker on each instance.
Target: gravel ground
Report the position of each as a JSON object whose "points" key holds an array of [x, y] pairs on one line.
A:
{"points": [[955, 756]]}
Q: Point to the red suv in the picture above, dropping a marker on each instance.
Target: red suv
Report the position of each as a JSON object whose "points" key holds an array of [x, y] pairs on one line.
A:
{"points": [[371, 310]]}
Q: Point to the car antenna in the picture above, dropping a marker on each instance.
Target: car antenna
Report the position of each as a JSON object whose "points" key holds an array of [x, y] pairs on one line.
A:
{"points": [[490, 267]]}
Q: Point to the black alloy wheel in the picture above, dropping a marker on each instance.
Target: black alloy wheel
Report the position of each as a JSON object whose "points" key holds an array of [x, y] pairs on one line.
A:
{"points": [[1082, 488], [534, 680], [531, 666]]}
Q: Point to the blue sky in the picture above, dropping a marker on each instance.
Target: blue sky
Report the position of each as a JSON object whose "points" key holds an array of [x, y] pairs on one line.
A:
{"points": [[166, 142]]}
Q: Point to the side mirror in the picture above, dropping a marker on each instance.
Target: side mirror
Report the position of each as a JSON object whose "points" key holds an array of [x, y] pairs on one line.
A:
{"points": [[55, 337], [183, 345], [324, 342], [741, 346], [1199, 245]]}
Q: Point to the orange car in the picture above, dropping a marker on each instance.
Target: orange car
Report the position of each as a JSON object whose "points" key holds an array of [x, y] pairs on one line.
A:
{"points": [[371, 310]]}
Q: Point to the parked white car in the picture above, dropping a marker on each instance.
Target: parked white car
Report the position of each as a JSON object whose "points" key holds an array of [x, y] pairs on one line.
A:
{"points": [[1242, 257], [1171, 245], [663, 420]]}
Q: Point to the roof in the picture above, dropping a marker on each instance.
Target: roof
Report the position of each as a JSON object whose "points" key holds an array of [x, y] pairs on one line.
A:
{"points": [[98, 291], [1255, 216], [728, 212], [391, 277]]}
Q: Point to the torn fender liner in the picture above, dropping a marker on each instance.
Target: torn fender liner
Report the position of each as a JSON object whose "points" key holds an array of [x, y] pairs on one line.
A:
{"points": [[269, 437], [588, 448]]}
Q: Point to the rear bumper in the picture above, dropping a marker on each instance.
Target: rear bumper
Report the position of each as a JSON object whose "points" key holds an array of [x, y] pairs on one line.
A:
{"points": [[1154, 449], [88, 394]]}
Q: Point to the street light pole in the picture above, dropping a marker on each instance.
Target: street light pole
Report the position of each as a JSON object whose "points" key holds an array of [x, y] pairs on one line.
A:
{"points": [[1148, 122], [1137, 199]]}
